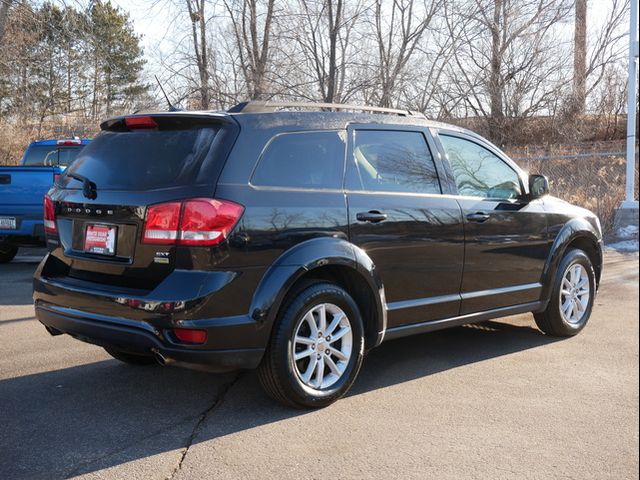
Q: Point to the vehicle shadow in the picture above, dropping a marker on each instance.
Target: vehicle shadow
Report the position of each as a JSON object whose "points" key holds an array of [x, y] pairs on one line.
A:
{"points": [[85, 418], [15, 283]]}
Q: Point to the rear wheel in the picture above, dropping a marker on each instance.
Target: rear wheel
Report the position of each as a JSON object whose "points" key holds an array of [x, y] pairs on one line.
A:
{"points": [[316, 349], [130, 358], [7, 253], [572, 297]]}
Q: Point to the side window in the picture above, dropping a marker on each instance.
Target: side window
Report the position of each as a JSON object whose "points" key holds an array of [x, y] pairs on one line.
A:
{"points": [[478, 172], [395, 161], [302, 160]]}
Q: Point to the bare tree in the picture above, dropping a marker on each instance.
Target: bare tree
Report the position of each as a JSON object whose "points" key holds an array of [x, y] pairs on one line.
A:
{"points": [[252, 41], [607, 45], [398, 32], [324, 39], [515, 42], [199, 38]]}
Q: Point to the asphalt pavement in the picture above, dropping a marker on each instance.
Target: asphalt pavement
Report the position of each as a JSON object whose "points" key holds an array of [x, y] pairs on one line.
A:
{"points": [[489, 401]]}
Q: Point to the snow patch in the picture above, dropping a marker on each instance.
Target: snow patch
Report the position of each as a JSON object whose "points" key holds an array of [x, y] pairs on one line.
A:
{"points": [[628, 232], [627, 240], [623, 246]]}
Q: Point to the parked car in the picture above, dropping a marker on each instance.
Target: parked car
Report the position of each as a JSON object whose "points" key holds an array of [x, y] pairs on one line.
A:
{"points": [[295, 241], [22, 190]]}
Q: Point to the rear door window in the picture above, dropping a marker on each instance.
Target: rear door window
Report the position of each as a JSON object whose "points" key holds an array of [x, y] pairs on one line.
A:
{"points": [[395, 161], [312, 160], [145, 159]]}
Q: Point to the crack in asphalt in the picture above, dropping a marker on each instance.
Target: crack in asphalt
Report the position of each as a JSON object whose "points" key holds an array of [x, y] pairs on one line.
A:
{"points": [[80, 466], [203, 416]]}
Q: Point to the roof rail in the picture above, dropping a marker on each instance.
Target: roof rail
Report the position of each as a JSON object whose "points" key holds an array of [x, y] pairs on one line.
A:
{"points": [[261, 106]]}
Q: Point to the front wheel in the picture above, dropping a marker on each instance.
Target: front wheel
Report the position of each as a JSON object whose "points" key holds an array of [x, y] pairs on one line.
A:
{"points": [[571, 298], [7, 253], [316, 349]]}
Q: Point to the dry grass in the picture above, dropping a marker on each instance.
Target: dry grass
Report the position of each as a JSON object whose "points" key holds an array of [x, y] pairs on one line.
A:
{"points": [[16, 136]]}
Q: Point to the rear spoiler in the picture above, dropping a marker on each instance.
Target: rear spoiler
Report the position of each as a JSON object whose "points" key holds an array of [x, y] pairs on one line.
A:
{"points": [[165, 121]]}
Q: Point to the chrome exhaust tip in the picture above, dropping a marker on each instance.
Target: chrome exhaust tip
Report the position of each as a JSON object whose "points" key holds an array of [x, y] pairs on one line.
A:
{"points": [[161, 359]]}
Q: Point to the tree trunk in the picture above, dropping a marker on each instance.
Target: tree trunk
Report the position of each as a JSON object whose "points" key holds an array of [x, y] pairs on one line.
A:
{"points": [[334, 28], [496, 117], [580, 58], [4, 13], [199, 37], [495, 83]]}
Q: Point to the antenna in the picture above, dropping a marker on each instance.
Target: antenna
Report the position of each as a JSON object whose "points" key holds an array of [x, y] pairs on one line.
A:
{"points": [[171, 107]]}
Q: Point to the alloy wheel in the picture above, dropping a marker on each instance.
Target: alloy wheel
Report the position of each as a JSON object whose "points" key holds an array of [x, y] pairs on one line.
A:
{"points": [[574, 294], [322, 346]]}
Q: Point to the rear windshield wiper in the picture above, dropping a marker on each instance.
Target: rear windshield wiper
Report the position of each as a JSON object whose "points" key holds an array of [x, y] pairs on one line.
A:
{"points": [[89, 189]]}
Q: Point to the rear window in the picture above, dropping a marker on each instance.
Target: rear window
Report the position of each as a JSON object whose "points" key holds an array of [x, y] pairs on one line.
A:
{"points": [[50, 155], [145, 159], [302, 160]]}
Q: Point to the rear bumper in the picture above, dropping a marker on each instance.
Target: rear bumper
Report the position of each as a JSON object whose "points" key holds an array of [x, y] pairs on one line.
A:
{"points": [[142, 338], [29, 233], [142, 321]]}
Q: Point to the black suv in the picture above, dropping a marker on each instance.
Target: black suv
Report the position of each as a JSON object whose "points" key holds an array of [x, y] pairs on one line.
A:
{"points": [[296, 241]]}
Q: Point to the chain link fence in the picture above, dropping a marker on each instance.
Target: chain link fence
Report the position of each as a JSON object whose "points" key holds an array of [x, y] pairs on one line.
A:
{"points": [[593, 179]]}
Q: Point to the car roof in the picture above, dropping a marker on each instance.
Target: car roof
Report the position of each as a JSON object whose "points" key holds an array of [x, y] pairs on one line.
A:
{"points": [[311, 120]]}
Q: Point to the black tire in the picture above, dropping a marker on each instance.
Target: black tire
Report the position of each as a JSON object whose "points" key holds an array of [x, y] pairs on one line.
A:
{"points": [[130, 358], [7, 253], [279, 375], [551, 321]]}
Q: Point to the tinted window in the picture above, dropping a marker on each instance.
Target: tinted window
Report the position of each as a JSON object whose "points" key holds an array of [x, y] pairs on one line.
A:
{"points": [[302, 160], [41, 155], [478, 172], [37, 154], [67, 155], [145, 159], [395, 161]]}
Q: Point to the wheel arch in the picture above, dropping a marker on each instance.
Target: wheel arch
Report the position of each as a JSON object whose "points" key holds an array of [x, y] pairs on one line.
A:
{"points": [[330, 259], [577, 233]]}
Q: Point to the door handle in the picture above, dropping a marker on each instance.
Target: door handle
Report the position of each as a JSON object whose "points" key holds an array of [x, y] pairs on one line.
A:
{"points": [[373, 216], [478, 217]]}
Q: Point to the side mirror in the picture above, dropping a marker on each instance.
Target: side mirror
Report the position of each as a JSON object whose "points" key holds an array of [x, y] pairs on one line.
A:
{"points": [[538, 186]]}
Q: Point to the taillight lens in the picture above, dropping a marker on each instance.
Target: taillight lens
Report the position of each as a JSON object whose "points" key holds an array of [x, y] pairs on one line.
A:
{"points": [[208, 222], [162, 223], [49, 215], [198, 221]]}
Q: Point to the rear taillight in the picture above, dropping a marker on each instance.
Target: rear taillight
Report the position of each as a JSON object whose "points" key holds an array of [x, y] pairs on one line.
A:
{"points": [[208, 222], [49, 215], [56, 176], [198, 221], [162, 223]]}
